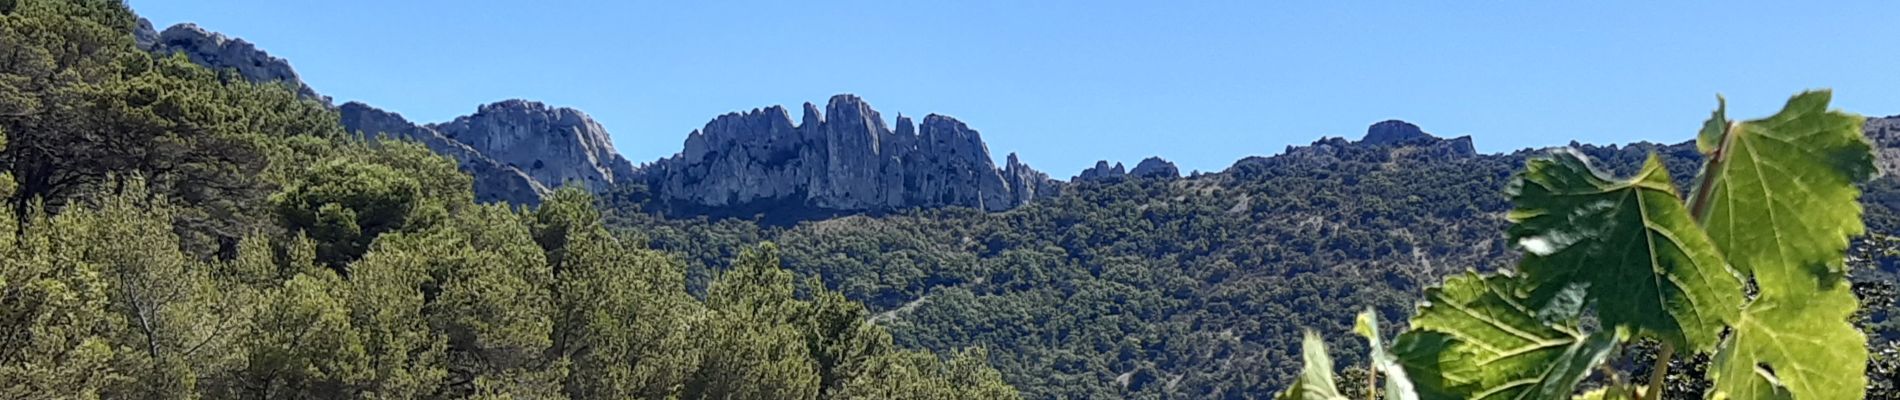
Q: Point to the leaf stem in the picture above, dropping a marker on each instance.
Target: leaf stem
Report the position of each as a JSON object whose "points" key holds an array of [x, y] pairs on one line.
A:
{"points": [[1372, 380], [1705, 185], [1660, 372]]}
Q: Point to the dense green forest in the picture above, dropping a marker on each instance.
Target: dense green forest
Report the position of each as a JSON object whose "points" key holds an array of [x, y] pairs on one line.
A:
{"points": [[179, 232], [175, 232]]}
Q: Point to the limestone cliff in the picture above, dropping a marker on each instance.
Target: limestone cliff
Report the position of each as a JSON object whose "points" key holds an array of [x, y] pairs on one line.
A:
{"points": [[216, 51], [844, 158], [555, 146]]}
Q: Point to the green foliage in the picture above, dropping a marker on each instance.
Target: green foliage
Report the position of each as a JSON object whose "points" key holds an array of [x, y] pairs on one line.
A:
{"points": [[344, 205], [181, 233], [93, 107], [1630, 246], [1782, 206], [1777, 199], [54, 303], [1474, 338]]}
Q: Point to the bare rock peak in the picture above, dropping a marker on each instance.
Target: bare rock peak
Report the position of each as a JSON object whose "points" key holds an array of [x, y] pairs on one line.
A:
{"points": [[1393, 132], [216, 51], [1101, 172], [905, 127], [1155, 167], [841, 159], [555, 145], [812, 116]]}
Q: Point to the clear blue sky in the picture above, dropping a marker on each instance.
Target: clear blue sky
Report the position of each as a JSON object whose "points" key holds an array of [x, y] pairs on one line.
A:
{"points": [[1065, 83]]}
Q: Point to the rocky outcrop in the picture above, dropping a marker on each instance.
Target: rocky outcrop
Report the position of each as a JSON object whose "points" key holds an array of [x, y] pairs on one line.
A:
{"points": [[516, 150], [1028, 184], [555, 146], [1392, 131], [1155, 167], [1405, 135], [1150, 168], [216, 51], [1102, 171], [844, 158], [144, 36], [494, 181]]}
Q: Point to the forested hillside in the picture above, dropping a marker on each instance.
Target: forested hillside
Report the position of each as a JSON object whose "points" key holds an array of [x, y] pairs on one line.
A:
{"points": [[179, 232], [1195, 287]]}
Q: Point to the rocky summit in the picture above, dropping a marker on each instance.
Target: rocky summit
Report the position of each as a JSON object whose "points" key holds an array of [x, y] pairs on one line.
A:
{"points": [[841, 159], [555, 146], [1102, 171], [1408, 136], [216, 51], [1155, 167], [1151, 167]]}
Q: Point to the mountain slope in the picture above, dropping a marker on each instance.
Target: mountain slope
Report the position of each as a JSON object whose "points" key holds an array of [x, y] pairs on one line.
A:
{"points": [[1185, 288]]}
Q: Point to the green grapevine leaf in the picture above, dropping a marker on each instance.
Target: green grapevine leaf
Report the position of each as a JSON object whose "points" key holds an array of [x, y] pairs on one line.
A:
{"points": [[1474, 339], [1800, 349], [1783, 202], [1631, 244], [1782, 205], [1397, 385], [1316, 377]]}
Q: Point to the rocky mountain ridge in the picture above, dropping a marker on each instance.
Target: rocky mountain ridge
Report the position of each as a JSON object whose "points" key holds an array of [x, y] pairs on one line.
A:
{"points": [[843, 158], [517, 150], [1151, 167]]}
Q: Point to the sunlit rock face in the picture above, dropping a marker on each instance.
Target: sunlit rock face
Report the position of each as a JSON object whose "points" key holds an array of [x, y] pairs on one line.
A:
{"points": [[216, 51], [841, 158], [555, 146]]}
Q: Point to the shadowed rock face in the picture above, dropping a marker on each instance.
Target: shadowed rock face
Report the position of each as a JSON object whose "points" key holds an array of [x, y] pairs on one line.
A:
{"points": [[1027, 184], [1405, 135], [1155, 167], [1102, 171], [1392, 132], [1151, 167], [844, 158]]}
